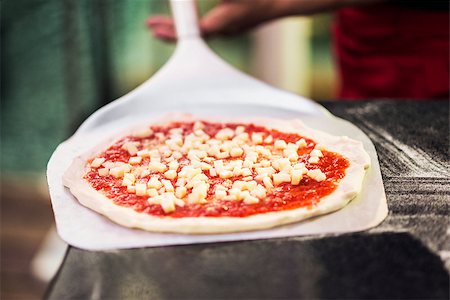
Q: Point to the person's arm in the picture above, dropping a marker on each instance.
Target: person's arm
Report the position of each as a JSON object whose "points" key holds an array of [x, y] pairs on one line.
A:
{"points": [[233, 16]]}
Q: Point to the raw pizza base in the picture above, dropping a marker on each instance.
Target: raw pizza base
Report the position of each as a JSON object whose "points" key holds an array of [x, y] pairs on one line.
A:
{"points": [[347, 189]]}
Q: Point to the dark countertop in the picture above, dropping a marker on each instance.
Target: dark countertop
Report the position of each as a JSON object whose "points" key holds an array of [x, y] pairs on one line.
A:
{"points": [[407, 256]]}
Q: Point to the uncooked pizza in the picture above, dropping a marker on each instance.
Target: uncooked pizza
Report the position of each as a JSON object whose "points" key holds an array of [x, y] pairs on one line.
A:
{"points": [[196, 175]]}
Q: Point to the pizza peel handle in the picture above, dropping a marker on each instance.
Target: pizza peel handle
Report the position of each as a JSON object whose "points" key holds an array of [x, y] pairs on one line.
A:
{"points": [[186, 19]]}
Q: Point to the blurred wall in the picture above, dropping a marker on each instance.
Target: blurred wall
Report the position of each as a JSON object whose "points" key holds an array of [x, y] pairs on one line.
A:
{"points": [[62, 60]]}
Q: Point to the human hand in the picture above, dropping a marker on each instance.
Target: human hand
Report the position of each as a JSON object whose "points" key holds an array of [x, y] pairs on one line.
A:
{"points": [[228, 17], [233, 16]]}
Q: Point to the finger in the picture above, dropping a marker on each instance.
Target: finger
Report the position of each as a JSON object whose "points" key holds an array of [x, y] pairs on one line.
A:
{"points": [[159, 21], [165, 33], [224, 19]]}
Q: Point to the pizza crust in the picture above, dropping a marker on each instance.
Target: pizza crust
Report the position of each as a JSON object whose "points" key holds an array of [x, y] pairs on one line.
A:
{"points": [[348, 187]]}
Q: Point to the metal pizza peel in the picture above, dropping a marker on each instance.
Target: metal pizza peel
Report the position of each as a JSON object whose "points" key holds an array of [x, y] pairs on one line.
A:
{"points": [[195, 80]]}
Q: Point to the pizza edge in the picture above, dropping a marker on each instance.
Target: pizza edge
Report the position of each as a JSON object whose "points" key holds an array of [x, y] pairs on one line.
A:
{"points": [[348, 188]]}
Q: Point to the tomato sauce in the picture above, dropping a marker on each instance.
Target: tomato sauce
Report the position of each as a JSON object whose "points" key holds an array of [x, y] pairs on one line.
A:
{"points": [[283, 197]]}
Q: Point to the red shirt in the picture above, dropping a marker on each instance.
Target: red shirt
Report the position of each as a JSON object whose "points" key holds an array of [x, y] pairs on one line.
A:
{"points": [[391, 51]]}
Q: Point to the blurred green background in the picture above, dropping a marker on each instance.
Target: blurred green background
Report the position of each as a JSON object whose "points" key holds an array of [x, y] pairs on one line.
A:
{"points": [[62, 60]]}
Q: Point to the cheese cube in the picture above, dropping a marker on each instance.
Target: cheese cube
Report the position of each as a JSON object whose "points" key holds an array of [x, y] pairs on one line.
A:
{"points": [[143, 153], [320, 146], [218, 165], [131, 189], [316, 152], [198, 125], [265, 171], [168, 202], [129, 177], [134, 160], [301, 143], [225, 174], [296, 176], [212, 172], [181, 182], [97, 162], [220, 194], [239, 129], [130, 147], [280, 144], [225, 134], [167, 185], [316, 174], [280, 178], [170, 174], [205, 166], [313, 160], [257, 138], [251, 200], [179, 202], [246, 172], [116, 172], [236, 152], [157, 167], [267, 182], [268, 139], [103, 171], [154, 183], [281, 163], [141, 189], [180, 192], [259, 191], [152, 192], [222, 155], [173, 165], [143, 133]]}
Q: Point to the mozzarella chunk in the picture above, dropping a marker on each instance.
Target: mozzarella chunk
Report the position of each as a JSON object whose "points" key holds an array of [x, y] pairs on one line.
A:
{"points": [[141, 189], [152, 192], [116, 172], [225, 174], [225, 134], [280, 178], [143, 153], [131, 147], [267, 182], [168, 202], [154, 183], [167, 185], [173, 165], [301, 143], [259, 191], [280, 144], [170, 174], [268, 139], [313, 160], [134, 160], [180, 192], [257, 138], [316, 174], [157, 167], [103, 171], [97, 162], [296, 176], [143, 133], [236, 152], [316, 153]]}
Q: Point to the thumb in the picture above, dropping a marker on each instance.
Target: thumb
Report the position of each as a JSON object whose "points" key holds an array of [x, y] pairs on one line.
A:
{"points": [[226, 18]]}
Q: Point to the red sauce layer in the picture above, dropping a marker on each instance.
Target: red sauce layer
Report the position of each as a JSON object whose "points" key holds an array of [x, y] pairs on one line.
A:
{"points": [[283, 197]]}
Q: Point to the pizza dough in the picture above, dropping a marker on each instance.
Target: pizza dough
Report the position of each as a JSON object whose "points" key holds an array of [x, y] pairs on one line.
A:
{"points": [[244, 195]]}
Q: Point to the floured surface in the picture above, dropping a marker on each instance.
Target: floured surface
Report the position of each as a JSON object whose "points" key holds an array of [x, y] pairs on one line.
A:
{"points": [[84, 228]]}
